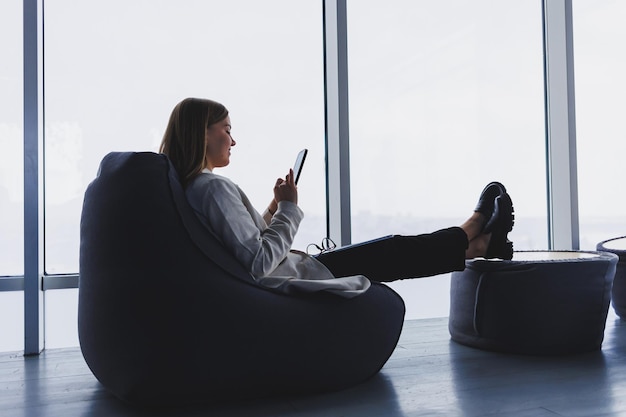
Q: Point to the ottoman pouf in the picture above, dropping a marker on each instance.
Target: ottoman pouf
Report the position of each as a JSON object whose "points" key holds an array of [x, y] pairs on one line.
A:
{"points": [[539, 303], [618, 294]]}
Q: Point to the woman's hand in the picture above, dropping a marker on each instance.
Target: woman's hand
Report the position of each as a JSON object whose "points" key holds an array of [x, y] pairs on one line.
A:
{"points": [[285, 189]]}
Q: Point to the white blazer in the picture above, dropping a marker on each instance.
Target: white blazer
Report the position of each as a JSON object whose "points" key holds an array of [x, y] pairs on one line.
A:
{"points": [[263, 243]]}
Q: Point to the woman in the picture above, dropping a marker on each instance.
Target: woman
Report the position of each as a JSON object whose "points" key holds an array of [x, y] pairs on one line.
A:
{"points": [[198, 140]]}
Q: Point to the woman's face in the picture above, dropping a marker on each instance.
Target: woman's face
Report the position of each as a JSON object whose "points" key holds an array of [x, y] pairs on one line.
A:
{"points": [[218, 143]]}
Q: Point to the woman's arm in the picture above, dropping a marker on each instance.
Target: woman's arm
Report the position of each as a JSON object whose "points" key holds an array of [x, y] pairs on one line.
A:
{"points": [[269, 211], [231, 216]]}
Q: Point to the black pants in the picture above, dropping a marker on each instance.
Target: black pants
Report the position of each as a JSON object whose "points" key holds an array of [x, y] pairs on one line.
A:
{"points": [[399, 257]]}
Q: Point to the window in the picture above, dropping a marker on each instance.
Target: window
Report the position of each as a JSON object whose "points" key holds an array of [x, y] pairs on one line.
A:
{"points": [[444, 98], [113, 90], [11, 134], [600, 64], [61, 312], [12, 321], [11, 170]]}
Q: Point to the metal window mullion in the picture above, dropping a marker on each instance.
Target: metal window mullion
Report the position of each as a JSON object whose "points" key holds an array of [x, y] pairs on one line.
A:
{"points": [[562, 186], [336, 122], [33, 178], [60, 282], [49, 282], [11, 283]]}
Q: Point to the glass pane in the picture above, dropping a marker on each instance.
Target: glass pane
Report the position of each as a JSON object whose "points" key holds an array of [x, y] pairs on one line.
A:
{"points": [[444, 98], [111, 87], [600, 65], [12, 322], [61, 312], [12, 155]]}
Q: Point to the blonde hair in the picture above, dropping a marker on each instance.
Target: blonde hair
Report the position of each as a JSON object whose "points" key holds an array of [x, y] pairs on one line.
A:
{"points": [[184, 138]]}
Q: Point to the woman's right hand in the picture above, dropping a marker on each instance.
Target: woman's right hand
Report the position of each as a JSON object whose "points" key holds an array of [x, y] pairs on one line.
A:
{"points": [[285, 189]]}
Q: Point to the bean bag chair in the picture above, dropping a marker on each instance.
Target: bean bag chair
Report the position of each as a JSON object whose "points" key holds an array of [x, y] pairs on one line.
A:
{"points": [[618, 292], [167, 316], [539, 303]]}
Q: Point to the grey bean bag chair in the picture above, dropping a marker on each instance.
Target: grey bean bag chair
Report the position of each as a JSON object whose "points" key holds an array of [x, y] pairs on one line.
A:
{"points": [[618, 293], [167, 316], [541, 303]]}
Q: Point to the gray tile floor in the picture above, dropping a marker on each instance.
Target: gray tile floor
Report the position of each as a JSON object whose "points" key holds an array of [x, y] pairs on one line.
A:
{"points": [[428, 375]]}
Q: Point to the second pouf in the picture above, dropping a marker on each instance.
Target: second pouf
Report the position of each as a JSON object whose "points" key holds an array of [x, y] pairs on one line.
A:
{"points": [[618, 293]]}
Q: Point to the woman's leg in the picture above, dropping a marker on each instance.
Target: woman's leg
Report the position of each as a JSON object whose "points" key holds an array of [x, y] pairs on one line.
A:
{"points": [[399, 257]]}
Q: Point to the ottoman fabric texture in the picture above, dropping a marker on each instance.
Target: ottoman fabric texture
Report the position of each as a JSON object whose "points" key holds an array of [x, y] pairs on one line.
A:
{"points": [[541, 307]]}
